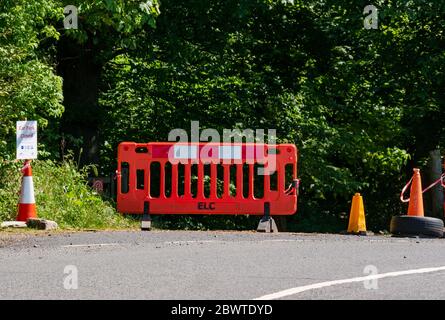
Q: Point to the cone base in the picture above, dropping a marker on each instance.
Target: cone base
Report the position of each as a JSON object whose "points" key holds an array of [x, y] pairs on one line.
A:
{"points": [[26, 211], [358, 233], [416, 214], [408, 226]]}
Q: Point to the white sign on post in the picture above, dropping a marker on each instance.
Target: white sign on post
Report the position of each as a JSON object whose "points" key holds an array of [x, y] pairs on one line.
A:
{"points": [[26, 140]]}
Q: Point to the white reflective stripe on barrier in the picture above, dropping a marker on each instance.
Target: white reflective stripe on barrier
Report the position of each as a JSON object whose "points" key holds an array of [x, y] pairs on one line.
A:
{"points": [[186, 152], [191, 152], [27, 193], [230, 152]]}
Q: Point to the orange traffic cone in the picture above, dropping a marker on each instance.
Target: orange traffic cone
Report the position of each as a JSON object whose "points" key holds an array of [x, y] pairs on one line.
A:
{"points": [[415, 207], [27, 203], [357, 223], [415, 223]]}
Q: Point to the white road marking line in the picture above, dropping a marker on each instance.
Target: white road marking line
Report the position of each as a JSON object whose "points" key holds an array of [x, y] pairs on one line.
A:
{"points": [[387, 240], [292, 291], [226, 241], [282, 240], [90, 245], [193, 241], [178, 242]]}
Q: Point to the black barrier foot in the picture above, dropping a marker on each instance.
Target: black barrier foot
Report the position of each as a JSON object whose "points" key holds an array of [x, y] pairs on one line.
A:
{"points": [[267, 223], [146, 219], [145, 225]]}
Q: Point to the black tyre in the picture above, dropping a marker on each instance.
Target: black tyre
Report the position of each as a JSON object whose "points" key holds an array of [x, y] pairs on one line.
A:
{"points": [[416, 226]]}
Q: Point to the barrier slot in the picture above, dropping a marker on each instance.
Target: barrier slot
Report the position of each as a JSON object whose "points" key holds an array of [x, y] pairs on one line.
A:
{"points": [[125, 177]]}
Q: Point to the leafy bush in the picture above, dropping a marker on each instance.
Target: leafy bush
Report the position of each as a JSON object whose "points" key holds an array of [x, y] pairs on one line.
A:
{"points": [[29, 87], [205, 222], [363, 106], [332, 101], [61, 195]]}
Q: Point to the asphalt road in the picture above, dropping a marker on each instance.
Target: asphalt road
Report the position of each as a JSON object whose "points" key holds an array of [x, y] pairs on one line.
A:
{"points": [[219, 265]]}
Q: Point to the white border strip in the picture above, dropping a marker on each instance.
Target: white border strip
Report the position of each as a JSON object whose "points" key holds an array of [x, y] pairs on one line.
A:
{"points": [[292, 291]]}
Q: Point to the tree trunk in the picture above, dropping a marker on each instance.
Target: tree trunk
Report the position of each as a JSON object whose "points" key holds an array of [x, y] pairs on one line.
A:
{"points": [[435, 194], [81, 75]]}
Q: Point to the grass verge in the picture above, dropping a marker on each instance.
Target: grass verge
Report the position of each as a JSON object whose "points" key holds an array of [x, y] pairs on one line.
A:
{"points": [[62, 195]]}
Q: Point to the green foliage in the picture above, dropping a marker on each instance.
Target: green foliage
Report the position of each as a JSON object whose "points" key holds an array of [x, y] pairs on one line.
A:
{"points": [[361, 105], [61, 195], [28, 86], [306, 70], [202, 222], [112, 26]]}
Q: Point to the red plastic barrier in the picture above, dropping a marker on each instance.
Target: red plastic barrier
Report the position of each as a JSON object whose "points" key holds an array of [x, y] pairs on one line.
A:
{"points": [[175, 178]]}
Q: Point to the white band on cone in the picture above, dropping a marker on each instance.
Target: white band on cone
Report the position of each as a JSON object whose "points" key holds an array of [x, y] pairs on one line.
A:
{"points": [[27, 193]]}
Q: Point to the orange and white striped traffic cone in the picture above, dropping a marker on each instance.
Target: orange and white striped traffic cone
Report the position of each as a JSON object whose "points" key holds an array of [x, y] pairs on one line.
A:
{"points": [[27, 203]]}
